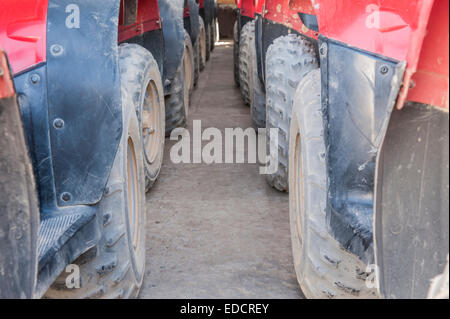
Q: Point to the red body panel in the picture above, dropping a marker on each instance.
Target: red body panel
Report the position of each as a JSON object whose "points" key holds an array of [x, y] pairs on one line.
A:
{"points": [[148, 19], [285, 12], [23, 30], [259, 6], [247, 8], [396, 29]]}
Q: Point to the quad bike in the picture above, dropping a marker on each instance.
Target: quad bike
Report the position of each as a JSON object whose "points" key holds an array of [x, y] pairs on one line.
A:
{"points": [[359, 94], [83, 102]]}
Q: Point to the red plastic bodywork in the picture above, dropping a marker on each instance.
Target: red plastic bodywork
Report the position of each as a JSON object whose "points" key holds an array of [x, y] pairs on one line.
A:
{"points": [[286, 12], [412, 31], [148, 19], [23, 31], [246, 8]]}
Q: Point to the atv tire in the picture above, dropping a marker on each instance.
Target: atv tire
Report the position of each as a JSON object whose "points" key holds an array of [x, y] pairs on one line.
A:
{"points": [[236, 54], [289, 58], [257, 93], [246, 41], [114, 268], [202, 51], [196, 48], [140, 70], [324, 269], [177, 103], [208, 41]]}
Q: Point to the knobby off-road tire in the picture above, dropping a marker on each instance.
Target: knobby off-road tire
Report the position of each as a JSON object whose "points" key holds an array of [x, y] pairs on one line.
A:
{"points": [[140, 70], [19, 205], [236, 54], [196, 48], [213, 34], [257, 94], [114, 268], [202, 52], [177, 103], [245, 59], [208, 40], [289, 58], [189, 63], [324, 269]]}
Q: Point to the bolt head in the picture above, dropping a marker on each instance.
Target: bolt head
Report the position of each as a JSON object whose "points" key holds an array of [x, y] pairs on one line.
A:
{"points": [[56, 49], [58, 123], [66, 196], [35, 78], [384, 69]]}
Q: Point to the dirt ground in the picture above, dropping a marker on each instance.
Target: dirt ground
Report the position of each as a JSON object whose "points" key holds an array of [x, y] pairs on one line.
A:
{"points": [[217, 231]]}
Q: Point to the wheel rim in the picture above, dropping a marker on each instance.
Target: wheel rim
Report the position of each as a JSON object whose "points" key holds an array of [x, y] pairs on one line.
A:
{"points": [[132, 186], [151, 126], [298, 192]]}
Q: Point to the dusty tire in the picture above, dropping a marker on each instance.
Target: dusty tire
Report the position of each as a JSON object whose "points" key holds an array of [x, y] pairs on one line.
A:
{"points": [[202, 38], [140, 70], [114, 268], [208, 41], [236, 54], [324, 269], [246, 41], [177, 103], [257, 93], [213, 34], [189, 63], [19, 204], [289, 58], [196, 48]]}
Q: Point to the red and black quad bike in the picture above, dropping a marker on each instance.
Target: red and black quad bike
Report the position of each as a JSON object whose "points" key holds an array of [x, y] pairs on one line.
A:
{"points": [[359, 93], [83, 124], [208, 14]]}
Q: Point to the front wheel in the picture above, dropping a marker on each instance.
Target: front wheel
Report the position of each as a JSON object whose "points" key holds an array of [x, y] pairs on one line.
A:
{"points": [[324, 269], [140, 71], [114, 268]]}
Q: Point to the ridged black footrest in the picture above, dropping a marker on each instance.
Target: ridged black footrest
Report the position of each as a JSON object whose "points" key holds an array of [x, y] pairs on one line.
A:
{"points": [[55, 231]]}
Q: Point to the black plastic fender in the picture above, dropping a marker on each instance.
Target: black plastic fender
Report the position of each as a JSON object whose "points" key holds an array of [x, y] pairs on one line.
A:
{"points": [[194, 21], [359, 90], [171, 12], [84, 100]]}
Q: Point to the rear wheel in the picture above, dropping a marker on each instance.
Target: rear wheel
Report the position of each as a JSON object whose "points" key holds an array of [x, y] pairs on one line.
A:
{"points": [[114, 268], [236, 54], [196, 52], [202, 52], [177, 103], [246, 40], [257, 94], [324, 269], [208, 40], [141, 72], [288, 59]]}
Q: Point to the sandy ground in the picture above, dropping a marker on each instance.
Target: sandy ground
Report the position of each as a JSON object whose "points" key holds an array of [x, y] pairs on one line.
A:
{"points": [[217, 231]]}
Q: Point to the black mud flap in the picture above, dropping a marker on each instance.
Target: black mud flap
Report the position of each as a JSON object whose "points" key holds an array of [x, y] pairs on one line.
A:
{"points": [[171, 12], [194, 21], [359, 90], [412, 201], [84, 100], [19, 210]]}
